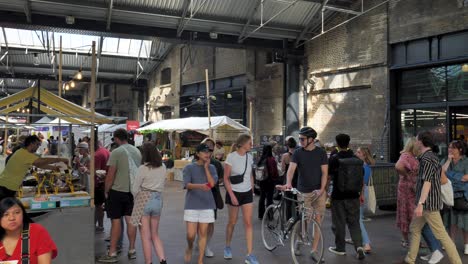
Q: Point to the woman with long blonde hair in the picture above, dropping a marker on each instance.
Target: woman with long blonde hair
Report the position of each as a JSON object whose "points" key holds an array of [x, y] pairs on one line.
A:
{"points": [[365, 155]]}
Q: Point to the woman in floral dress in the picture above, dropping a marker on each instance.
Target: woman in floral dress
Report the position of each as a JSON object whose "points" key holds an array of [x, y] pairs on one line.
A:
{"points": [[407, 168]]}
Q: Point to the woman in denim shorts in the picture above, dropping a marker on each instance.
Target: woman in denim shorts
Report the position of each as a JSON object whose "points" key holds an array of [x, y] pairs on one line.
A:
{"points": [[147, 190]]}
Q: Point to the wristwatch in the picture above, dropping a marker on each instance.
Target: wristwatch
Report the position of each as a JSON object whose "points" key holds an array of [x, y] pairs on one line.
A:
{"points": [[421, 203]]}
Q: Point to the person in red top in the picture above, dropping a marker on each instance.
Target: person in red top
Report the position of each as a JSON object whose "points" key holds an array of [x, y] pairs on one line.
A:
{"points": [[42, 248], [101, 156]]}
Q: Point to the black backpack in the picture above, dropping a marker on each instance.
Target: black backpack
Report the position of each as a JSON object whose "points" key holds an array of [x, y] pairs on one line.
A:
{"points": [[350, 175]]}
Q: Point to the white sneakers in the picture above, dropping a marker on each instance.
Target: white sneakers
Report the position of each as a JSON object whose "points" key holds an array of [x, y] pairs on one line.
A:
{"points": [[208, 252], [433, 258]]}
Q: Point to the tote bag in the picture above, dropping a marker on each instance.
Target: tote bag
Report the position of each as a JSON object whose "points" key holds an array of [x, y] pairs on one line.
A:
{"points": [[371, 200]]}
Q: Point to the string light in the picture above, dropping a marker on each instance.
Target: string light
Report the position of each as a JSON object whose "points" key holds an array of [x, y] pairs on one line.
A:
{"points": [[67, 86], [79, 75]]}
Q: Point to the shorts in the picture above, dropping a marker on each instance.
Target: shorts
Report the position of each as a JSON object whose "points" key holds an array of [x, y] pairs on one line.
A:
{"points": [[119, 204], [242, 198], [99, 196], [154, 205], [199, 216], [318, 205]]}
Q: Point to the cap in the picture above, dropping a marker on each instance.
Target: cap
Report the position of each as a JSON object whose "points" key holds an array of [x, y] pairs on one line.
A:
{"points": [[203, 148], [82, 145]]}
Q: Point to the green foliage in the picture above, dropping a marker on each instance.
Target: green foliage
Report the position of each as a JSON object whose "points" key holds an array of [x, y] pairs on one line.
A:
{"points": [[151, 131]]}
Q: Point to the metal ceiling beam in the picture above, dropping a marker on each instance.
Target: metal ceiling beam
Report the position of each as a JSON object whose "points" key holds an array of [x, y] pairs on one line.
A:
{"points": [[14, 51], [250, 16], [180, 27], [109, 14], [342, 10], [101, 42], [310, 25], [93, 27], [269, 20], [27, 10], [29, 76], [68, 68]]}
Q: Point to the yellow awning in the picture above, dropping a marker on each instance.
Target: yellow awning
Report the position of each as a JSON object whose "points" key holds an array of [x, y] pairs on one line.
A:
{"points": [[55, 106]]}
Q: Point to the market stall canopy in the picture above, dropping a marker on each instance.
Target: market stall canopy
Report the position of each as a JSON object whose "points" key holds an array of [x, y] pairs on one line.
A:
{"points": [[44, 120], [200, 124], [50, 104]]}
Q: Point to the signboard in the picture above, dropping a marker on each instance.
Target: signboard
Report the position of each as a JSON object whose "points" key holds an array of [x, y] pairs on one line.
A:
{"points": [[266, 139], [132, 125]]}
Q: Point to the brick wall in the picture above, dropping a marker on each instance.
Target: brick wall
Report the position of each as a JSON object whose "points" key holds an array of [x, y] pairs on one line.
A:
{"points": [[413, 19], [348, 65], [167, 94]]}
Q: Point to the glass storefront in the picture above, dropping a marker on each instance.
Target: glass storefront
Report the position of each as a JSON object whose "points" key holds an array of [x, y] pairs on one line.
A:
{"points": [[433, 99]]}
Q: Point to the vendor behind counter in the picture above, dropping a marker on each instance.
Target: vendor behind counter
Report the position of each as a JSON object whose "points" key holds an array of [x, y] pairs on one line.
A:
{"points": [[20, 162]]}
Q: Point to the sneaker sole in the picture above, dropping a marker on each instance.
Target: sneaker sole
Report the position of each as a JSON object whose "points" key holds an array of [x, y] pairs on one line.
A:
{"points": [[225, 257], [337, 252]]}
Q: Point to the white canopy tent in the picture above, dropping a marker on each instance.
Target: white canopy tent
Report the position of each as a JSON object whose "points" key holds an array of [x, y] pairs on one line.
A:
{"points": [[223, 127]]}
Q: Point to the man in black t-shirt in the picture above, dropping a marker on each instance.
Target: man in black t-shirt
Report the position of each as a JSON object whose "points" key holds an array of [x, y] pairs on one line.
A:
{"points": [[312, 165]]}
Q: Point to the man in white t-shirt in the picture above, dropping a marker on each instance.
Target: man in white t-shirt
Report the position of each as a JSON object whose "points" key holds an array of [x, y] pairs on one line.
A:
{"points": [[43, 149]]}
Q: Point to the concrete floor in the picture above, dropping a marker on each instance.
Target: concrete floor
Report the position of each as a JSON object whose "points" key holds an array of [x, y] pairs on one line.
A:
{"points": [[384, 235]]}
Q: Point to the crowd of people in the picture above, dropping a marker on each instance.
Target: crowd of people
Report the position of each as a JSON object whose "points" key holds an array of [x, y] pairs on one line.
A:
{"points": [[135, 180]]}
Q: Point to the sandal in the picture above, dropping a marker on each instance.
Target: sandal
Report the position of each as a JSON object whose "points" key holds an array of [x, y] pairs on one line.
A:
{"points": [[404, 243]]}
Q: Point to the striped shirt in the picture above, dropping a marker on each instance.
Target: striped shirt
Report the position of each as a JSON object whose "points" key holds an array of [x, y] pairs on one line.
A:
{"points": [[429, 170]]}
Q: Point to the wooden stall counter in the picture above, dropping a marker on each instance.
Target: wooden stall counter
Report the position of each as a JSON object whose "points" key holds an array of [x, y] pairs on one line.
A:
{"points": [[179, 166]]}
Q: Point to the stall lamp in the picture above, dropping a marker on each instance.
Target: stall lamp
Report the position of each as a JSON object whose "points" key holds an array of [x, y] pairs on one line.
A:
{"points": [[229, 96], [79, 75], [465, 67], [18, 110], [72, 84], [185, 109], [67, 87]]}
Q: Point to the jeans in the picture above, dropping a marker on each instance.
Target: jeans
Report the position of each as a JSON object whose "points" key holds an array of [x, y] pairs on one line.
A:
{"points": [[267, 189], [346, 212], [433, 219], [365, 236], [430, 239], [154, 205]]}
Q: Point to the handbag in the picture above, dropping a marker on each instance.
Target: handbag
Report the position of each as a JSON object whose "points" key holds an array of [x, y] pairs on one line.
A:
{"points": [[217, 197], [371, 199], [447, 193], [460, 203], [261, 173], [236, 179]]}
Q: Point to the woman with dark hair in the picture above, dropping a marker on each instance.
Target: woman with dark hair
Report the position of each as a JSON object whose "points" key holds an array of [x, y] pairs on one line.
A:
{"points": [[455, 167], [147, 190], [291, 144], [199, 178], [267, 186], [16, 229]]}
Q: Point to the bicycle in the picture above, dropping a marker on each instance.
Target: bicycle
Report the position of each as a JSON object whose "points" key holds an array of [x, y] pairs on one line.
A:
{"points": [[303, 228]]}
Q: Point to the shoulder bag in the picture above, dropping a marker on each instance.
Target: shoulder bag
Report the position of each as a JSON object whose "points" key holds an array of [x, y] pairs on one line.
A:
{"points": [[447, 193], [25, 245], [371, 199], [236, 179]]}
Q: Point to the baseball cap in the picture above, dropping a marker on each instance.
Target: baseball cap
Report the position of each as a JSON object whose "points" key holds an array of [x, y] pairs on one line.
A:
{"points": [[82, 145], [203, 148]]}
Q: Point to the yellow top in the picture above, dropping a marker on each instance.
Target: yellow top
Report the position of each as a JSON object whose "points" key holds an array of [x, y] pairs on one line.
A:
{"points": [[14, 172]]}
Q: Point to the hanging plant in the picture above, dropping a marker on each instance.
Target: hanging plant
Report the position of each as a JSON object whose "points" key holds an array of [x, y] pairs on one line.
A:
{"points": [[152, 131]]}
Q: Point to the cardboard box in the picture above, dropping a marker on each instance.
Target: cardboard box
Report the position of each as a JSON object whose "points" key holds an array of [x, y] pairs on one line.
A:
{"points": [[35, 205], [75, 201]]}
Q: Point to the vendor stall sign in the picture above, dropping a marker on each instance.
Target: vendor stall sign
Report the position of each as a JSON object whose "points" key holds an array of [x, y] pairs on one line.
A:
{"points": [[133, 125], [270, 139], [41, 128]]}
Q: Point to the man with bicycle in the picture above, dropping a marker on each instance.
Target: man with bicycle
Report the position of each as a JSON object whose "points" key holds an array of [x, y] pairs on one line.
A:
{"points": [[312, 165]]}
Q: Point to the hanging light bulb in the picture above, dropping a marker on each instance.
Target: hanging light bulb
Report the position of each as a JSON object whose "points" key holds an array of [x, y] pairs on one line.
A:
{"points": [[22, 111], [72, 84], [67, 87], [18, 110], [79, 75], [27, 110], [36, 61]]}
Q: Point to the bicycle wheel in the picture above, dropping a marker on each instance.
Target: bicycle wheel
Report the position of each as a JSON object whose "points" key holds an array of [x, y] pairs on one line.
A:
{"points": [[307, 247], [271, 227]]}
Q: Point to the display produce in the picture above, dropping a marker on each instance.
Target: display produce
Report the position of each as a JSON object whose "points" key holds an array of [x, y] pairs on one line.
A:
{"points": [[47, 189]]}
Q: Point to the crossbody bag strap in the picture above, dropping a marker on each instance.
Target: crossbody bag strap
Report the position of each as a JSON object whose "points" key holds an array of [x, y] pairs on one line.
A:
{"points": [[25, 245], [246, 162]]}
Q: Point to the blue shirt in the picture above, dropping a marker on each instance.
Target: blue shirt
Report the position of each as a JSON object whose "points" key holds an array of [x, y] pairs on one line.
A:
{"points": [[197, 199], [367, 173]]}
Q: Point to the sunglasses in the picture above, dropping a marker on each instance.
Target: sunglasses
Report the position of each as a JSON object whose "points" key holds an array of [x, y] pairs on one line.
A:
{"points": [[302, 139]]}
